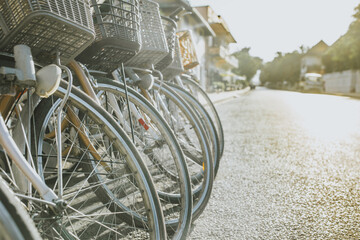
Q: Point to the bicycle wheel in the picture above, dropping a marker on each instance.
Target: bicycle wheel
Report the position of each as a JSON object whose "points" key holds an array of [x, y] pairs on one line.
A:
{"points": [[205, 119], [108, 191], [160, 150], [196, 91], [15, 223], [193, 140]]}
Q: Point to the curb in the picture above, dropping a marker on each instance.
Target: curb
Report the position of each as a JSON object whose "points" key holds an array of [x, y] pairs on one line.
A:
{"points": [[351, 95], [216, 99]]}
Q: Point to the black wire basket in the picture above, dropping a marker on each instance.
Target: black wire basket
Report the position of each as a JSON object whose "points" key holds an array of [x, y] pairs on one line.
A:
{"points": [[153, 39], [170, 32], [47, 27], [117, 25]]}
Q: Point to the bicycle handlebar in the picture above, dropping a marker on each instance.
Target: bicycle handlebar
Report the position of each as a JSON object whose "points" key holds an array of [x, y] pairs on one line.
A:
{"points": [[174, 15]]}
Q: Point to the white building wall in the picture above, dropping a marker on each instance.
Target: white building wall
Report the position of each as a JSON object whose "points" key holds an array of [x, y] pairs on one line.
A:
{"points": [[357, 81], [342, 82], [311, 61], [200, 45]]}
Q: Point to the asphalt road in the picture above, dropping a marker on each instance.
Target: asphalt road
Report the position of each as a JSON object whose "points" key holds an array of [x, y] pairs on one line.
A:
{"points": [[290, 170]]}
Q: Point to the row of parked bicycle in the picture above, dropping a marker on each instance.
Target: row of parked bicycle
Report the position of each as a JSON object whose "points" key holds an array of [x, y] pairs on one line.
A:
{"points": [[102, 134]]}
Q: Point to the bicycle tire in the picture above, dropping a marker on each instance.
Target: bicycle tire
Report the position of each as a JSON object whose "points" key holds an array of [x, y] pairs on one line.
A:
{"points": [[177, 226], [208, 124], [202, 180], [113, 202], [15, 223], [190, 83]]}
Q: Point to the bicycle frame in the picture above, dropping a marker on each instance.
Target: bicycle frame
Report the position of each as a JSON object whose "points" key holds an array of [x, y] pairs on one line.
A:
{"points": [[25, 73], [17, 157], [88, 88]]}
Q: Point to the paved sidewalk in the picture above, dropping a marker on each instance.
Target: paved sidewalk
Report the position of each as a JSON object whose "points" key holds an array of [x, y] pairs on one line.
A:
{"points": [[224, 96]]}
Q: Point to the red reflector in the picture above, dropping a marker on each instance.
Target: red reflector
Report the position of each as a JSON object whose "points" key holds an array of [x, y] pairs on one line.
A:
{"points": [[141, 121]]}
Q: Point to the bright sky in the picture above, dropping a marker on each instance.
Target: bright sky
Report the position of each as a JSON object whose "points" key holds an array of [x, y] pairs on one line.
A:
{"points": [[268, 26]]}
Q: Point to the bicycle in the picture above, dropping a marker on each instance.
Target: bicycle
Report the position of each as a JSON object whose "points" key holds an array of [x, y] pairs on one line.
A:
{"points": [[86, 175], [145, 126], [140, 78], [47, 205], [197, 98]]}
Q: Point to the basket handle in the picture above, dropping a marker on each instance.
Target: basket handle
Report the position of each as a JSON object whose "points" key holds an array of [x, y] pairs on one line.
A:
{"points": [[99, 20], [3, 25]]}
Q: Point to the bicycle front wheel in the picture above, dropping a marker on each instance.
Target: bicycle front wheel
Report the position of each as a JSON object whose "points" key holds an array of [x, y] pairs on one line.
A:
{"points": [[193, 140], [160, 150], [15, 223], [198, 93], [108, 191], [205, 118]]}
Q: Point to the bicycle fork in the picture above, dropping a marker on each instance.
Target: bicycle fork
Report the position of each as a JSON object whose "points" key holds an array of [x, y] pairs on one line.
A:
{"points": [[45, 81]]}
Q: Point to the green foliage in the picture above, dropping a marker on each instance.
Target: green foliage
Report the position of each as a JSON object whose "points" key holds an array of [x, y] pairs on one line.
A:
{"points": [[357, 12], [344, 54], [248, 65], [284, 68]]}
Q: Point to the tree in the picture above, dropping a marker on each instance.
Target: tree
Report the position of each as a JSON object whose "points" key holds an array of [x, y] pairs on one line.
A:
{"points": [[357, 12], [283, 68], [344, 54], [248, 65]]}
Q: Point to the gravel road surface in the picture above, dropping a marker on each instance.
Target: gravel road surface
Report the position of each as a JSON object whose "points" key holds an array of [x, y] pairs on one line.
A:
{"points": [[290, 169]]}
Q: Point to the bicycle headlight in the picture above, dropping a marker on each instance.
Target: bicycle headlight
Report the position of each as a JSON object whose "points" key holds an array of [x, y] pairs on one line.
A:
{"points": [[48, 80], [146, 82]]}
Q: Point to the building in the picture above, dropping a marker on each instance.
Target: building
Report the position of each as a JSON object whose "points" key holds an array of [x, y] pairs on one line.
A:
{"points": [[211, 37], [312, 60], [200, 30], [219, 61]]}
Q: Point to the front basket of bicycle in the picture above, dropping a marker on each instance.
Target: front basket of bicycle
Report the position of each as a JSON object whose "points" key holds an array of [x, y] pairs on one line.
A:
{"points": [[47, 27], [176, 67], [187, 50], [153, 41], [170, 33], [117, 26]]}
